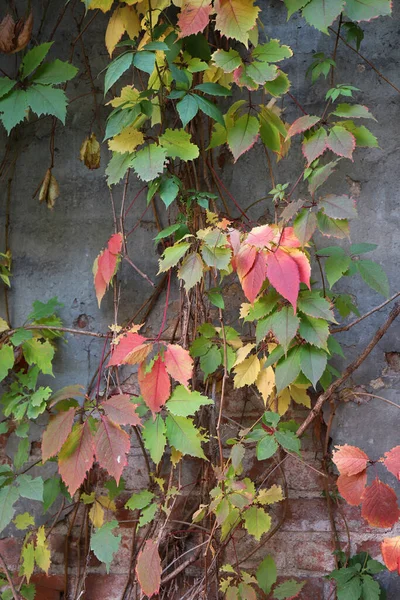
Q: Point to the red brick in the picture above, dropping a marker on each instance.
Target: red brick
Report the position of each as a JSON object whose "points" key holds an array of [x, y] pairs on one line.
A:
{"points": [[10, 549], [307, 514], [99, 586], [373, 547], [48, 587], [313, 556], [312, 590]]}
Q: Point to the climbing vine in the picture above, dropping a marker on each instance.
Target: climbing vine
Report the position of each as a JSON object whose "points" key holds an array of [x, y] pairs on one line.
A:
{"points": [[188, 82]]}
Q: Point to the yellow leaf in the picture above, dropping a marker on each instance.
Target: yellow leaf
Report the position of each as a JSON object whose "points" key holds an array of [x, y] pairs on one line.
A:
{"points": [[235, 18], [107, 503], [103, 5], [115, 30], [299, 394], [3, 325], [175, 456], [216, 75], [23, 521], [42, 551], [265, 382], [244, 310], [129, 2], [246, 373], [129, 97], [28, 561], [283, 401], [96, 514], [243, 352], [126, 141], [270, 496], [131, 21]]}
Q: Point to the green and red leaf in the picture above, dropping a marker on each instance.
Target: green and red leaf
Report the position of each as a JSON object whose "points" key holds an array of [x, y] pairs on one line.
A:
{"points": [[56, 432], [121, 410], [76, 456], [111, 445], [155, 385], [178, 363]]}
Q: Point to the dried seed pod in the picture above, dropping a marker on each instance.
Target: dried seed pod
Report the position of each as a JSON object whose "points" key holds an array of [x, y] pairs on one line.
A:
{"points": [[14, 36], [49, 190], [90, 152]]}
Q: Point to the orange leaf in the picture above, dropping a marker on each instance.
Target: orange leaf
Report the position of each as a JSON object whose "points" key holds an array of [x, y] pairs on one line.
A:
{"points": [[76, 456], [391, 553], [194, 16], [350, 460], [115, 243], [254, 279], [56, 433], [126, 343], [155, 386], [111, 446], [121, 410], [379, 505], [138, 354], [283, 274], [105, 265], [148, 568], [392, 461], [179, 363], [351, 487]]}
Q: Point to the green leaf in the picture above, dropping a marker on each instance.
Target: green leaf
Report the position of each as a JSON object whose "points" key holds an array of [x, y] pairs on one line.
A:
{"points": [[117, 167], [228, 61], [266, 447], [336, 266], [278, 86], [314, 331], [40, 354], [288, 440], [104, 543], [148, 163], [338, 207], [187, 109], [209, 109], [23, 521], [294, 5], [168, 190], [22, 454], [284, 325], [6, 360], [6, 84], [214, 89], [8, 496], [28, 591], [119, 119], [33, 58], [191, 270], [304, 225], [353, 111], [320, 175], [147, 514], [242, 135], [257, 521], [287, 369], [267, 574], [51, 491], [371, 589], [314, 305], [54, 73], [154, 437], [167, 231], [29, 487], [321, 13], [374, 276], [183, 402], [374, 567], [362, 248], [216, 257], [184, 436], [210, 361], [216, 299], [272, 51], [364, 10], [351, 590], [42, 310], [364, 138], [46, 100], [116, 68], [20, 336], [288, 590], [177, 144], [172, 256], [145, 61], [13, 107], [139, 500], [313, 362]]}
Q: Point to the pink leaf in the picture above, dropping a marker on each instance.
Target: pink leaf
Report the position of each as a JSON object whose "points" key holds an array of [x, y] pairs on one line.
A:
{"points": [[288, 238], [302, 124], [115, 243], [126, 344], [148, 569], [283, 274], [56, 433], [121, 410], [304, 266], [105, 265], [315, 145], [155, 386], [179, 363], [379, 505], [349, 460], [244, 260], [341, 142], [351, 487], [194, 16], [255, 278], [111, 445], [261, 237], [392, 461], [234, 240], [76, 456]]}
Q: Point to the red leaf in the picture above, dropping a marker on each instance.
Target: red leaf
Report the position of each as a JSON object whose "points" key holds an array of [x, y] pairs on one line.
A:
{"points": [[315, 145], [234, 240], [379, 505], [261, 237], [56, 433], [349, 460], [126, 344], [148, 569], [115, 243], [245, 260], [155, 386], [121, 410], [254, 279], [179, 363], [106, 264], [99, 284], [391, 553], [111, 446], [351, 487], [302, 124], [288, 238], [303, 265], [283, 274], [341, 142], [392, 461], [194, 17], [76, 456]]}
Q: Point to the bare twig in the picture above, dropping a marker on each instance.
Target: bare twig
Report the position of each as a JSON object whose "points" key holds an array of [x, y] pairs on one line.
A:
{"points": [[369, 313], [15, 594]]}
